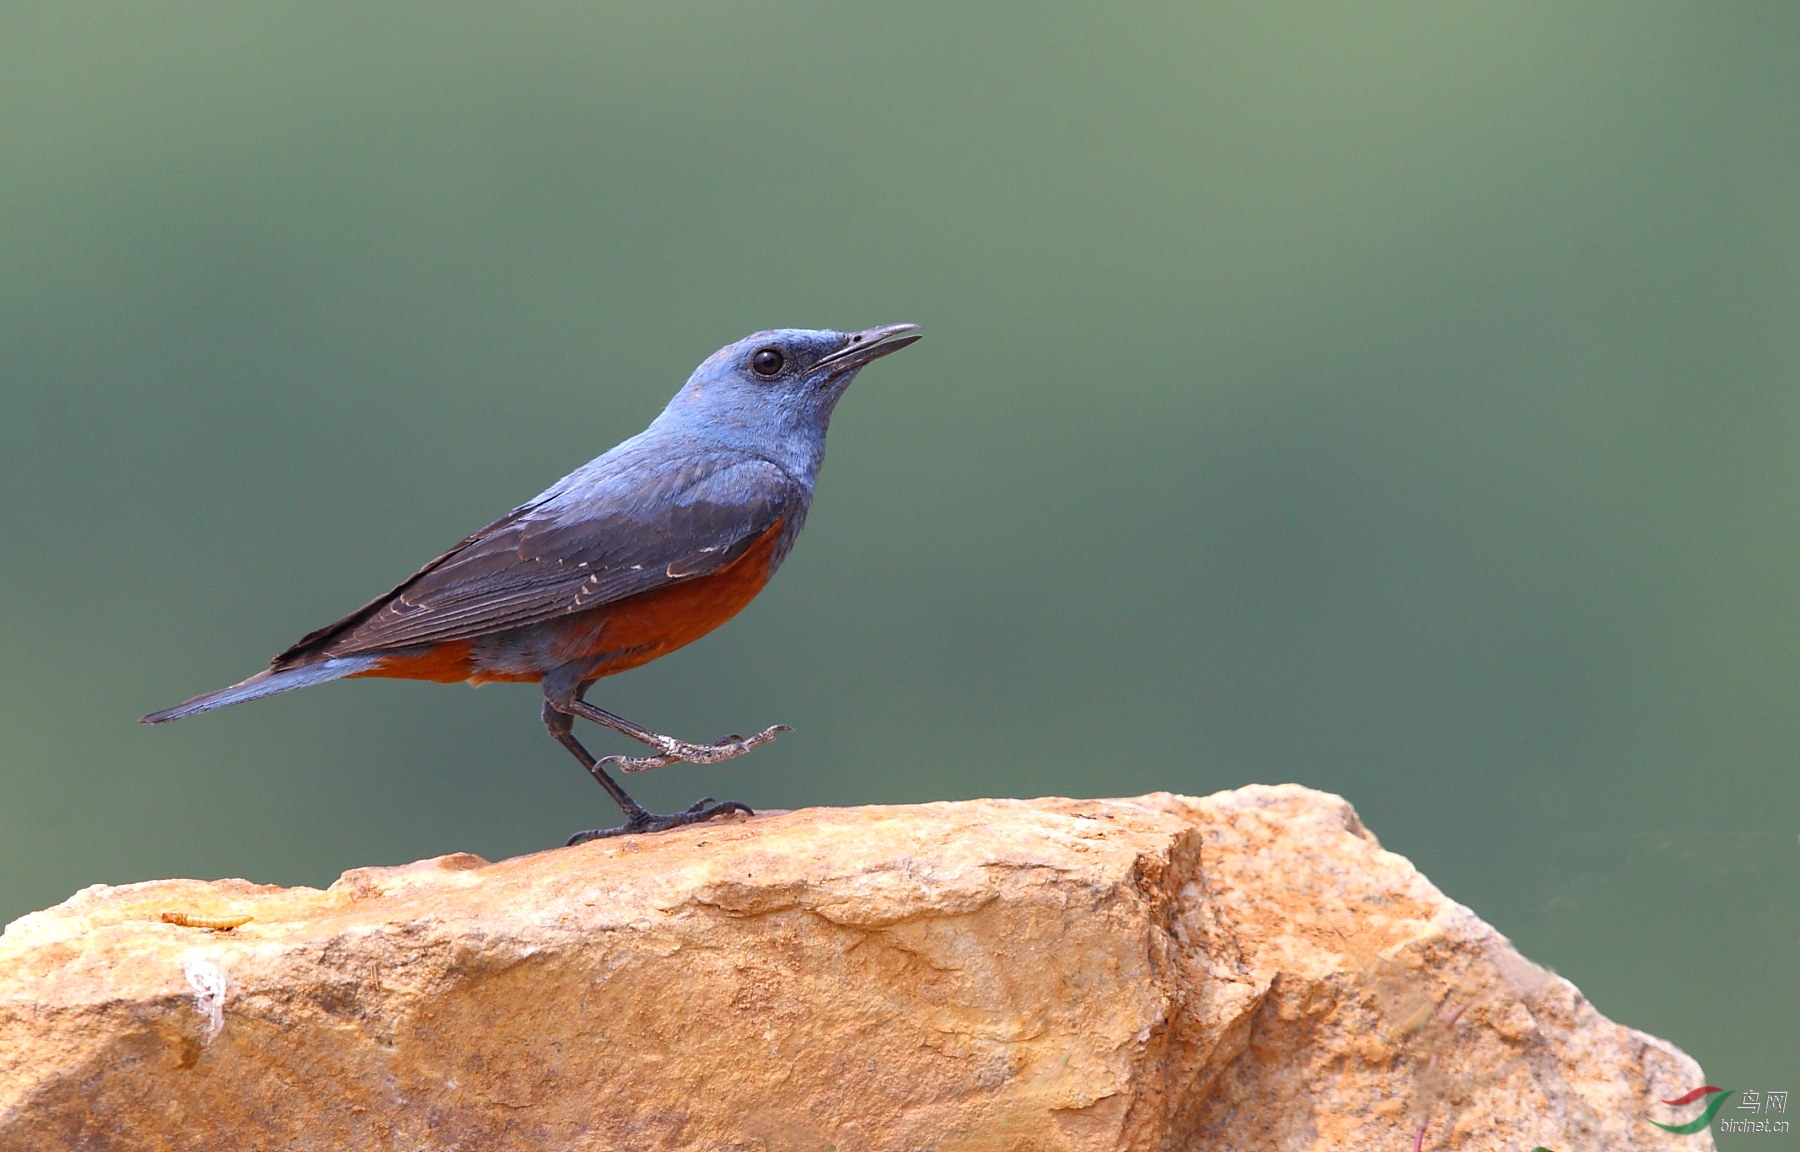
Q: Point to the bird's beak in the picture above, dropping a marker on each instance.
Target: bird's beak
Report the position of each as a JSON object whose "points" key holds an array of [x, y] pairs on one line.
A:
{"points": [[869, 344]]}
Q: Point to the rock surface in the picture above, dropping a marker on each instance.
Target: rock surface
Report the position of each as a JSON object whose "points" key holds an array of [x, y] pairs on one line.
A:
{"points": [[1245, 971]]}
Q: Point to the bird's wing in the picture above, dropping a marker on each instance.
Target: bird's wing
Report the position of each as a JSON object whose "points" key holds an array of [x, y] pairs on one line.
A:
{"points": [[579, 546]]}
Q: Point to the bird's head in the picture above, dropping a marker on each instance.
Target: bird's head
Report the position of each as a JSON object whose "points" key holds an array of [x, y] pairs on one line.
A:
{"points": [[773, 392]]}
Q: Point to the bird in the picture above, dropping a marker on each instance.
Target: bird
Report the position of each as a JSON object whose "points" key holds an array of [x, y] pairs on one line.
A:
{"points": [[637, 553]]}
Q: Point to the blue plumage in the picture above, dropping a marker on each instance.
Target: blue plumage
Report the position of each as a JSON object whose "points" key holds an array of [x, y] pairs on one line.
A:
{"points": [[631, 555]]}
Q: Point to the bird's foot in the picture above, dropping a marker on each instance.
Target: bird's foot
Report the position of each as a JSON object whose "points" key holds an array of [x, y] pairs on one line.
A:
{"points": [[641, 821], [672, 751]]}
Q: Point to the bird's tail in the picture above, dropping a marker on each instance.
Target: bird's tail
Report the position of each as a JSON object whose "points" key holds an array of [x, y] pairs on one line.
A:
{"points": [[266, 683]]}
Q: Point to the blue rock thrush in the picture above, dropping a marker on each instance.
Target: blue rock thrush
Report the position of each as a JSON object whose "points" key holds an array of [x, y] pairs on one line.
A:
{"points": [[628, 557]]}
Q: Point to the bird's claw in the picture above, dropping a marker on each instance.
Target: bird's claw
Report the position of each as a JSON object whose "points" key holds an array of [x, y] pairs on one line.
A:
{"points": [[642, 821], [672, 751], [681, 752]]}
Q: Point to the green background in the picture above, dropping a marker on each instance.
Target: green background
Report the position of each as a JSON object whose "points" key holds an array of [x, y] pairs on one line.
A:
{"points": [[1399, 399]]}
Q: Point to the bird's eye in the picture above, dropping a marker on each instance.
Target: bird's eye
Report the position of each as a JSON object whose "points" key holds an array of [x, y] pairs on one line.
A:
{"points": [[766, 362]]}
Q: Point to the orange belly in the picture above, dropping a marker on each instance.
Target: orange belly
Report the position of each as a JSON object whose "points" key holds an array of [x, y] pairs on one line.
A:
{"points": [[445, 663], [618, 636]]}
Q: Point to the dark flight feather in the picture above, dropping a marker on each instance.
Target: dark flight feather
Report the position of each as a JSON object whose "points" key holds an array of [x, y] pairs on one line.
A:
{"points": [[571, 550]]}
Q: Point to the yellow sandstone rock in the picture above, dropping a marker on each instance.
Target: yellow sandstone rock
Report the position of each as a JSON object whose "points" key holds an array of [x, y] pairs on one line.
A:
{"points": [[1245, 971]]}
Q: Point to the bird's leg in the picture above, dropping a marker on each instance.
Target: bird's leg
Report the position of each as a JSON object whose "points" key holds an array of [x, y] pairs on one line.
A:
{"points": [[637, 819], [668, 749], [562, 729]]}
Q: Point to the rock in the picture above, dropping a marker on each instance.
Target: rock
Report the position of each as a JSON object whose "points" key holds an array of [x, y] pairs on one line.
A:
{"points": [[1245, 971]]}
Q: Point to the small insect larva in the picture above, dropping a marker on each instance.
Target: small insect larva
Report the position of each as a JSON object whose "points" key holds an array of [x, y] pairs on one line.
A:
{"points": [[215, 923]]}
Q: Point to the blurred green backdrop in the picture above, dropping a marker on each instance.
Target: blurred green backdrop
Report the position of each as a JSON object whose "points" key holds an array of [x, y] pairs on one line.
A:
{"points": [[1399, 399]]}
